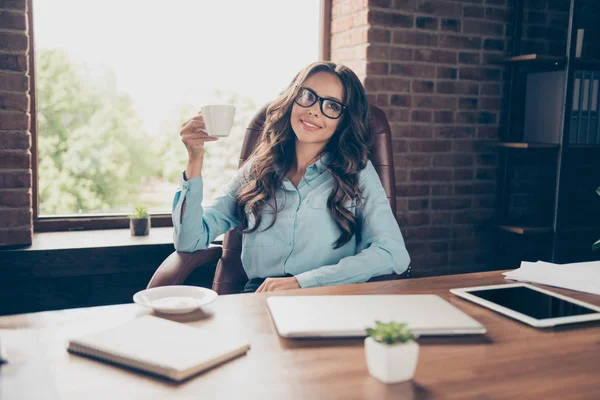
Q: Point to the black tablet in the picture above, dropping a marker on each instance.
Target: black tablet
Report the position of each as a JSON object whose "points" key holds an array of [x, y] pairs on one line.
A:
{"points": [[534, 306]]}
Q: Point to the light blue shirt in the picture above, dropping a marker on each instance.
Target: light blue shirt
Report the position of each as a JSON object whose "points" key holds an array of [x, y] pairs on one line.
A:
{"points": [[301, 241]]}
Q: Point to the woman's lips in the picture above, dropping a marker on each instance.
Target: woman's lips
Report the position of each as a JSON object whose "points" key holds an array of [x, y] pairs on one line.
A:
{"points": [[309, 126]]}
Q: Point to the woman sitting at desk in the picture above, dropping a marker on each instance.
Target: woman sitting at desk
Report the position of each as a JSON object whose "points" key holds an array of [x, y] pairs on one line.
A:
{"points": [[310, 204]]}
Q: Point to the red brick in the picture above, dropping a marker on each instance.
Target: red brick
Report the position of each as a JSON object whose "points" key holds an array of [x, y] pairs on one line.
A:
{"points": [[484, 201], [15, 198], [14, 237], [444, 189], [13, 218], [14, 141], [378, 52], [497, 14], [450, 87], [13, 41], [474, 117], [434, 102], [414, 219], [414, 160], [390, 20], [446, 73], [444, 117], [439, 7], [380, 3], [16, 102], [485, 28], [396, 85], [451, 203], [15, 159], [441, 218], [454, 132], [418, 204], [473, 216], [401, 54], [379, 35], [19, 5], [428, 146], [412, 190], [401, 100], [13, 62], [460, 42], [421, 116], [491, 103], [491, 89], [480, 74], [12, 120], [430, 175], [414, 131], [494, 44], [422, 86], [398, 115], [453, 160], [467, 103], [408, 5], [413, 70], [427, 23], [469, 58], [488, 132], [473, 12], [11, 20], [399, 146], [450, 25], [14, 180], [13, 82], [436, 56], [485, 174], [462, 174], [414, 38], [377, 68]]}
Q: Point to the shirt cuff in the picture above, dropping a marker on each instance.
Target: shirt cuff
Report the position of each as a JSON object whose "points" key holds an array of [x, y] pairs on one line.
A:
{"points": [[307, 279], [192, 186]]}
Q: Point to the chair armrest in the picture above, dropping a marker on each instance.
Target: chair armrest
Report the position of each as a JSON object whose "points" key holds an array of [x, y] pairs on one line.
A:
{"points": [[178, 266]]}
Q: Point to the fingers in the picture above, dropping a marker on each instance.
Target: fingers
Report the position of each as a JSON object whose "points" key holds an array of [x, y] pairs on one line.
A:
{"points": [[197, 117]]}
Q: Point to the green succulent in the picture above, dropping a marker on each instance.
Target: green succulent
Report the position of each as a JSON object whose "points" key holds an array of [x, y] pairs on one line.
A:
{"points": [[141, 212], [596, 246], [390, 333]]}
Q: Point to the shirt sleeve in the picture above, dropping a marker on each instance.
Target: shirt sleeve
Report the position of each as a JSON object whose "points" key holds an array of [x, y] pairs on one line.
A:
{"points": [[201, 225], [381, 249]]}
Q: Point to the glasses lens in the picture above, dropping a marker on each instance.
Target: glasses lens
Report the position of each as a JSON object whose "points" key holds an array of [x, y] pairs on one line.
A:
{"points": [[332, 109], [306, 98]]}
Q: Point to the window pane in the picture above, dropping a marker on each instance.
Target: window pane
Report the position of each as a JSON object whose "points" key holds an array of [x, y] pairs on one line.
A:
{"points": [[115, 79]]}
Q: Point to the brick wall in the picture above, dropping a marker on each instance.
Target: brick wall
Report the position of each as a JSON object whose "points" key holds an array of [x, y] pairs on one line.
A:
{"points": [[430, 65], [15, 139]]}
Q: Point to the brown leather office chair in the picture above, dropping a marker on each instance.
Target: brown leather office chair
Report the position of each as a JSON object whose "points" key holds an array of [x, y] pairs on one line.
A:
{"points": [[230, 276]]}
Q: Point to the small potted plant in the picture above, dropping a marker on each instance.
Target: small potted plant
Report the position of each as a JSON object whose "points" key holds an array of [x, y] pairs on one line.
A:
{"points": [[139, 221], [391, 352]]}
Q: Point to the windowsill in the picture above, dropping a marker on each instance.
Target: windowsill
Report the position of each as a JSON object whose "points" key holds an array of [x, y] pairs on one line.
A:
{"points": [[97, 239]]}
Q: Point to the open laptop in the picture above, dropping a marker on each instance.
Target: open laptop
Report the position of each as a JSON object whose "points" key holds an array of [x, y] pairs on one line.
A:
{"points": [[349, 316]]}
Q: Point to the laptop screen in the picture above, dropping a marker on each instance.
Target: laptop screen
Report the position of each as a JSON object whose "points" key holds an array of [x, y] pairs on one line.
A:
{"points": [[532, 303]]}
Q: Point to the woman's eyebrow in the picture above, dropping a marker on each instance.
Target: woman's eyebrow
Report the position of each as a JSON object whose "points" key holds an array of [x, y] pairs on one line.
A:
{"points": [[325, 97]]}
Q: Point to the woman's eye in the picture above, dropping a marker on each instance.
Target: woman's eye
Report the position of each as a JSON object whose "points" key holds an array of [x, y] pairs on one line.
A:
{"points": [[308, 96], [334, 106]]}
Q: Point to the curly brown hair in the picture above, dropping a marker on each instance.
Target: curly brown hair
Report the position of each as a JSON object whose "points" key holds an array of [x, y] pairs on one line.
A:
{"points": [[274, 154]]}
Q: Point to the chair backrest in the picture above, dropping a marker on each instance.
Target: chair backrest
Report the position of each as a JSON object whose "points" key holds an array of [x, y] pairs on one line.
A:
{"points": [[230, 276]]}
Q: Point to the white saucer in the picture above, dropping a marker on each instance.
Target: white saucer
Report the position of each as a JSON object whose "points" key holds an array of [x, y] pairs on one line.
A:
{"points": [[175, 299]]}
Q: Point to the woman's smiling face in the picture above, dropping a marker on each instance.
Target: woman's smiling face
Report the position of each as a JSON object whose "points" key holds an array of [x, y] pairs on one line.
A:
{"points": [[308, 123]]}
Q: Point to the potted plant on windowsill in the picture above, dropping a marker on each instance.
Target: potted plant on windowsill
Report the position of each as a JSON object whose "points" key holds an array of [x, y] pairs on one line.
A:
{"points": [[139, 221], [391, 352]]}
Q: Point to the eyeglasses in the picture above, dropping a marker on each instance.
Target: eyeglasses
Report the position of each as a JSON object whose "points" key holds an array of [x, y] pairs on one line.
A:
{"points": [[330, 108]]}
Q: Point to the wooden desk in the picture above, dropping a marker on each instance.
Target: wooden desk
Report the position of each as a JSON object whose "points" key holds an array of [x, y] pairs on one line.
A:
{"points": [[512, 361]]}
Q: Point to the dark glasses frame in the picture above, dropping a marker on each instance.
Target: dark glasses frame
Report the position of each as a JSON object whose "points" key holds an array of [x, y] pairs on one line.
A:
{"points": [[321, 100]]}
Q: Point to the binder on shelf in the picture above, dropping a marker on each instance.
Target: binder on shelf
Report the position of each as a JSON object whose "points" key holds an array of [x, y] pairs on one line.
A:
{"points": [[584, 127]]}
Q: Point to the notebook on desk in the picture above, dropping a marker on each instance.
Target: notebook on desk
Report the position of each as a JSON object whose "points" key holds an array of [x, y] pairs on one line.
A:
{"points": [[159, 346]]}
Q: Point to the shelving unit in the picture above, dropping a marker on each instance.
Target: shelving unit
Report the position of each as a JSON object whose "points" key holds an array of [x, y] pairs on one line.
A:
{"points": [[551, 234]]}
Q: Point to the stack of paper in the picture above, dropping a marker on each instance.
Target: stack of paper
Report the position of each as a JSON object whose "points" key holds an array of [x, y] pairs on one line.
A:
{"points": [[583, 277]]}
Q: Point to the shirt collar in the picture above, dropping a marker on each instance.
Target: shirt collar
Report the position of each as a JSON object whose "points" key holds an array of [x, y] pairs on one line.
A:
{"points": [[321, 164]]}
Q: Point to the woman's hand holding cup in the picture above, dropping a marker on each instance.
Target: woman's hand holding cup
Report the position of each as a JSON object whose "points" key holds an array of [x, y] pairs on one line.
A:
{"points": [[193, 136]]}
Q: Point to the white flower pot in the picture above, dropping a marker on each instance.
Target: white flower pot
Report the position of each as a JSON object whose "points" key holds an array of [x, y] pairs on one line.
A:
{"points": [[391, 363]]}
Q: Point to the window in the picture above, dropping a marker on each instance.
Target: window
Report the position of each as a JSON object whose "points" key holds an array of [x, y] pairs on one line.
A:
{"points": [[115, 79]]}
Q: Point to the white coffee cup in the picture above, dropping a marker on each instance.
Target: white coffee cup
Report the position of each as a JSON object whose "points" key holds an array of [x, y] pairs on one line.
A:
{"points": [[218, 119]]}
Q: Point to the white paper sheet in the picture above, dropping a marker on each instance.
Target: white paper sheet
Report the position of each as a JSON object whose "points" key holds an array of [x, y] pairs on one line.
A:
{"points": [[582, 277]]}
